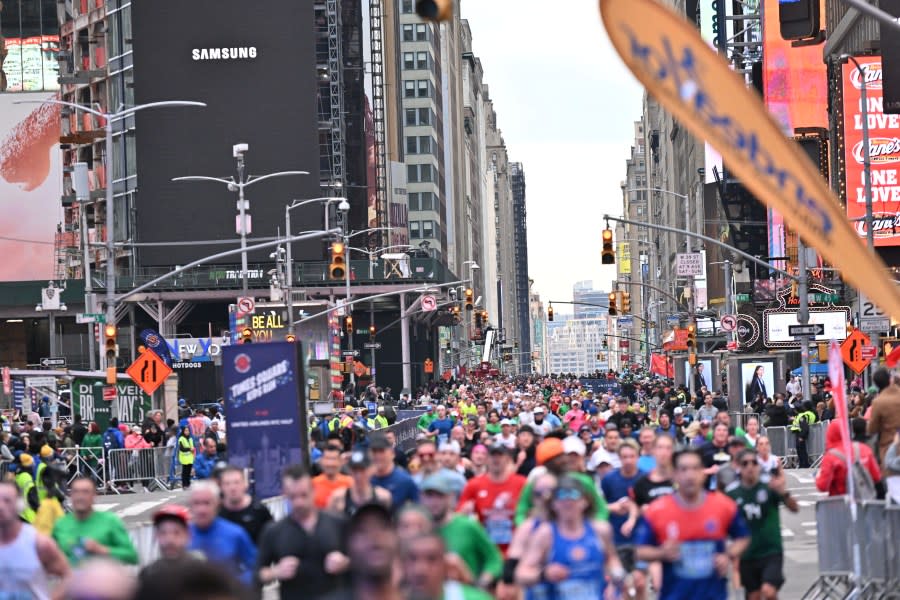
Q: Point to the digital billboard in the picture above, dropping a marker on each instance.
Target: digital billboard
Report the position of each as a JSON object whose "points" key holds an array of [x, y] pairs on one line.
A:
{"points": [[884, 152], [254, 65], [30, 186], [29, 45]]}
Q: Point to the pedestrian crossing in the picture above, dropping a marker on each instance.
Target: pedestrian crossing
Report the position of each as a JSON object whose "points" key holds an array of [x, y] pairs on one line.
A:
{"points": [[134, 508]]}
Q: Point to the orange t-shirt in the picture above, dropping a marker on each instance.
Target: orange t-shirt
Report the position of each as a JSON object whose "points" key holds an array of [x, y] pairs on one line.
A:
{"points": [[324, 487]]}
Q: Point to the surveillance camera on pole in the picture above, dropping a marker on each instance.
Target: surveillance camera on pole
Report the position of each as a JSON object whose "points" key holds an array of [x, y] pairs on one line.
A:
{"points": [[238, 150]]}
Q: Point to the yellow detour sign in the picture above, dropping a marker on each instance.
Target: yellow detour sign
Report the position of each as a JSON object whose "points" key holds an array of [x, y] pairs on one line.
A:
{"points": [[667, 55]]}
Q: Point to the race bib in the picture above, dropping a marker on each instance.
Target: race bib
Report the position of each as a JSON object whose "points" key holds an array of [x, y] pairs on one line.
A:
{"points": [[575, 589], [499, 530], [696, 560]]}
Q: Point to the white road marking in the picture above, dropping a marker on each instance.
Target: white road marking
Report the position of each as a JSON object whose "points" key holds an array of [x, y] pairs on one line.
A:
{"points": [[812, 532], [139, 508], [105, 507], [787, 533], [808, 524], [806, 503]]}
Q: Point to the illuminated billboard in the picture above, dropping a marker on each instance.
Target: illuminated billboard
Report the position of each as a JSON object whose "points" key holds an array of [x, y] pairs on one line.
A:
{"points": [[29, 45], [30, 186], [884, 153]]}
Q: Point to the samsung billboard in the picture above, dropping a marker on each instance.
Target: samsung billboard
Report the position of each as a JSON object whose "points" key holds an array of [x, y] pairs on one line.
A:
{"points": [[254, 65]]}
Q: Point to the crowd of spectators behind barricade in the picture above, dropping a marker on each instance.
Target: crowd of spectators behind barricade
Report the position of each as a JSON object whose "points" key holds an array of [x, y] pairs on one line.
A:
{"points": [[503, 476]]}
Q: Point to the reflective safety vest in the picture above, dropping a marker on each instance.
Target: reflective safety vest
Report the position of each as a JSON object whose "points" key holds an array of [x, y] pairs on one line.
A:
{"points": [[186, 457], [39, 481], [380, 422], [25, 483], [808, 415]]}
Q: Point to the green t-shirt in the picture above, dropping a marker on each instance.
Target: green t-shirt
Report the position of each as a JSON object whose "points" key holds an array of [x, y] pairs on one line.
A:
{"points": [[425, 420], [759, 506], [466, 538], [492, 428], [523, 508], [103, 527]]}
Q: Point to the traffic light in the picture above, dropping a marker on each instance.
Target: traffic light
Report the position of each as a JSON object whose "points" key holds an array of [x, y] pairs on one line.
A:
{"points": [[609, 254], [470, 299], [290, 338], [799, 19], [247, 336], [612, 304], [626, 302], [478, 320], [371, 330], [434, 10], [692, 337], [338, 267], [605, 343], [348, 324], [550, 313], [112, 352]]}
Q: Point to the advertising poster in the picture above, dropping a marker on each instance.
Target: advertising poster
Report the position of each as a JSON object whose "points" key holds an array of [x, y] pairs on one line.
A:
{"points": [[757, 378], [884, 152], [697, 378], [264, 386], [30, 186], [87, 400]]}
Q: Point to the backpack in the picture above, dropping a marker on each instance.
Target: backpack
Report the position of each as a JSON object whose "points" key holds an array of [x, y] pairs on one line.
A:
{"points": [[863, 484], [110, 440]]}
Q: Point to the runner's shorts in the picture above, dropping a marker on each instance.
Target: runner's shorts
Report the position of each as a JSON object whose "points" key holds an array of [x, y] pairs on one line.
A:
{"points": [[757, 571]]}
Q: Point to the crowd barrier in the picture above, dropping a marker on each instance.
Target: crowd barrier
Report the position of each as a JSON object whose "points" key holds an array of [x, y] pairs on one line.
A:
{"points": [[146, 466], [876, 531], [85, 462], [741, 419], [405, 431], [784, 443]]}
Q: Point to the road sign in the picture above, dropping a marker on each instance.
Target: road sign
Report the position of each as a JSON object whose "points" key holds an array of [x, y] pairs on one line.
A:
{"points": [[742, 297], [851, 351], [246, 305], [429, 303], [869, 352], [41, 382], [731, 345], [373, 345], [90, 318], [53, 362], [109, 393], [429, 365], [728, 323], [689, 264], [149, 371], [813, 329], [875, 324], [350, 353], [625, 321], [341, 309], [673, 320]]}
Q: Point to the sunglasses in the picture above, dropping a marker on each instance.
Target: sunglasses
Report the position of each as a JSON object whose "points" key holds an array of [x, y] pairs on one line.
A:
{"points": [[567, 494], [543, 492]]}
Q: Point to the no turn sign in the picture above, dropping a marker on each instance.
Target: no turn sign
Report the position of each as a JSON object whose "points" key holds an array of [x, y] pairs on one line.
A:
{"points": [[728, 323], [246, 305]]}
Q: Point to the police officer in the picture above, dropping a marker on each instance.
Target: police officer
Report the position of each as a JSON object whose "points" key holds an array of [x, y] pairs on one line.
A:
{"points": [[800, 428]]}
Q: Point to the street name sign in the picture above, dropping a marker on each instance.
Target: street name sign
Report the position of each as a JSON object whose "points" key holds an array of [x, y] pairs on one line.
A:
{"points": [[812, 329], [373, 345], [53, 362]]}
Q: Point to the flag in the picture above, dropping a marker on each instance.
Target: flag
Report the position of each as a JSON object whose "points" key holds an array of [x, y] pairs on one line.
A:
{"points": [[891, 359], [838, 393], [154, 341], [660, 365]]}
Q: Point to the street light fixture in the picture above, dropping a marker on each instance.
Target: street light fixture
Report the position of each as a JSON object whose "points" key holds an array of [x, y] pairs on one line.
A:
{"points": [[238, 184], [109, 119]]}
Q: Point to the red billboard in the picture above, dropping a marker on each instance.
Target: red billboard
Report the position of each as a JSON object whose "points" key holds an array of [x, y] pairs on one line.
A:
{"points": [[884, 152]]}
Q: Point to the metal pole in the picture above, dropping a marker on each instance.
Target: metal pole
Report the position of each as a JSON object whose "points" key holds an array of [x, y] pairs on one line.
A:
{"points": [[372, 349], [88, 290], [289, 276], [52, 323], [243, 222], [110, 246], [729, 300], [803, 318], [404, 344], [867, 174], [348, 309]]}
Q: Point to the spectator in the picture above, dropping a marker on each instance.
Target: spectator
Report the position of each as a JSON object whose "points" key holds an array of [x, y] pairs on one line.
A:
{"points": [[388, 475], [707, 411], [152, 429], [79, 431], [832, 476], [885, 417], [205, 461], [185, 446]]}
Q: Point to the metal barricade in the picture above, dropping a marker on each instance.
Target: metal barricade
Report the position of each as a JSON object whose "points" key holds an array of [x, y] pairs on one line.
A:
{"points": [[815, 444], [739, 419], [144, 465], [144, 540], [784, 444], [405, 431], [892, 550], [85, 462]]}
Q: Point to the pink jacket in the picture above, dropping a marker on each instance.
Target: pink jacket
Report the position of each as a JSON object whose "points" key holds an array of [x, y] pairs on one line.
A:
{"points": [[136, 441]]}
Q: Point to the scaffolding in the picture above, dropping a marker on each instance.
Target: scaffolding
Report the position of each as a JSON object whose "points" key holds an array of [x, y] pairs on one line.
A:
{"points": [[376, 36]]}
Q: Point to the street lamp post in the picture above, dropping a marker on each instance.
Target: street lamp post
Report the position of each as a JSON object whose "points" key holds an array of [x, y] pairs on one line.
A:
{"points": [[109, 119], [238, 185], [371, 254]]}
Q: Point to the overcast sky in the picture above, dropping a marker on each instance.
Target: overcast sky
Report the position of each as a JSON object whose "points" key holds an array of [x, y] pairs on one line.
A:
{"points": [[566, 106]]}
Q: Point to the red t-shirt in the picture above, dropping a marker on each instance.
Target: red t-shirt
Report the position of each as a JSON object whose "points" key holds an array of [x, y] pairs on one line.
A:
{"points": [[495, 505]]}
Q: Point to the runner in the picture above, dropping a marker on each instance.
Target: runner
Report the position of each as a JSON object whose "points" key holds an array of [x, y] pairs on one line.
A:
{"points": [[239, 507], [762, 563], [27, 557], [388, 476], [492, 497], [85, 533], [425, 571], [689, 531], [218, 540], [331, 478], [302, 551], [571, 552], [361, 492], [658, 482]]}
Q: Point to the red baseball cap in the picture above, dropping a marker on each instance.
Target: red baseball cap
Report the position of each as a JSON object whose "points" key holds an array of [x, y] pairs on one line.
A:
{"points": [[172, 511]]}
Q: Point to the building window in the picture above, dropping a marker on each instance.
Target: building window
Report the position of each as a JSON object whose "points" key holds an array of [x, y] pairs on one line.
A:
{"points": [[426, 173], [407, 6], [408, 35], [424, 88], [427, 229], [421, 32], [409, 89], [427, 201], [414, 230], [421, 60], [424, 144], [412, 173], [411, 145], [424, 116], [409, 61], [410, 116], [413, 201]]}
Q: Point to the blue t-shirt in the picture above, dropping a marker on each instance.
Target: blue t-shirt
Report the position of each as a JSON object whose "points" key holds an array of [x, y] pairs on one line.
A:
{"points": [[646, 463], [616, 486], [443, 427], [228, 545], [401, 486]]}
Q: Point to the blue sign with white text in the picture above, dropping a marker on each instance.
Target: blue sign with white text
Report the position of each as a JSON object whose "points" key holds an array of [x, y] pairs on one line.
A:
{"points": [[263, 384]]}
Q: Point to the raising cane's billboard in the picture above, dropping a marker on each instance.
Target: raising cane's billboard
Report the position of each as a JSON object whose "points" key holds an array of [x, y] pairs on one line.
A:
{"points": [[884, 153]]}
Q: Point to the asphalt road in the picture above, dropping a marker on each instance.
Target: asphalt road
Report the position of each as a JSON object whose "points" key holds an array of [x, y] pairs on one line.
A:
{"points": [[138, 507]]}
